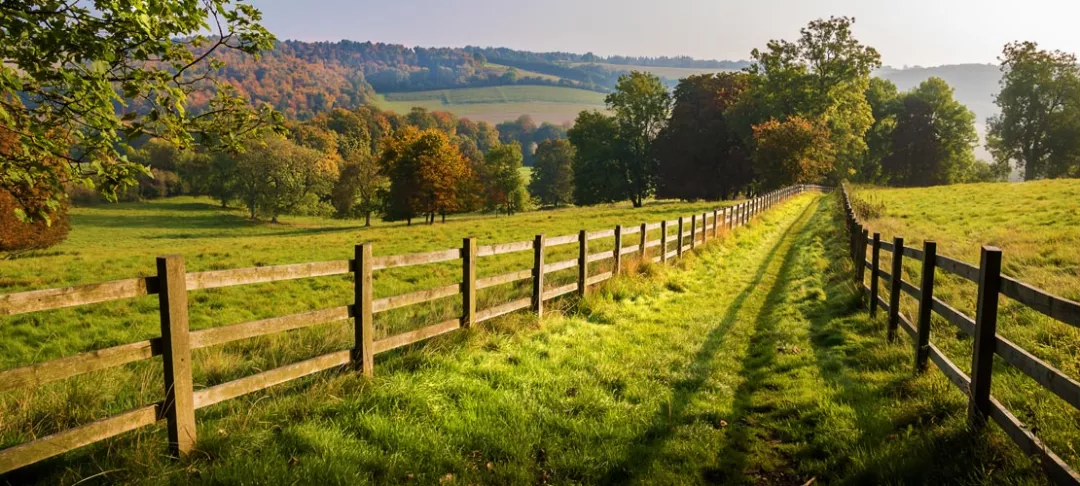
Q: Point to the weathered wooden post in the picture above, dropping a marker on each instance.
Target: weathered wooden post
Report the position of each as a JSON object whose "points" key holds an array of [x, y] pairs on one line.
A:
{"points": [[583, 266], [875, 256], [363, 352], [894, 287], [982, 359], [730, 217], [715, 224], [693, 231], [538, 276], [641, 243], [704, 227], [860, 263], [468, 282], [926, 306], [663, 242], [679, 239], [178, 408], [618, 250]]}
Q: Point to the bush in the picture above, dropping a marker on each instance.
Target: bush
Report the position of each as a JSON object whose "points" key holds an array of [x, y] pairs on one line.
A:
{"points": [[17, 235], [867, 209]]}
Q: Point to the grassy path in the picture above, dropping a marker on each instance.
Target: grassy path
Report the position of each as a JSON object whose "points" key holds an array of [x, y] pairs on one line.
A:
{"points": [[745, 363]]}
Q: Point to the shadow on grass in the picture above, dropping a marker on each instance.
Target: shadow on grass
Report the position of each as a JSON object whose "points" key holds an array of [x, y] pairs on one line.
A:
{"points": [[647, 444]]}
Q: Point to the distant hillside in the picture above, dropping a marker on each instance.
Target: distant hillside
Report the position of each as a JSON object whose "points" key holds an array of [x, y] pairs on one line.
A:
{"points": [[302, 79], [975, 84]]}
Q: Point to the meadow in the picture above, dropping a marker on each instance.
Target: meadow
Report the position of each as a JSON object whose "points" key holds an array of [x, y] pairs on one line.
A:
{"points": [[1037, 227], [672, 73], [499, 103], [745, 362]]}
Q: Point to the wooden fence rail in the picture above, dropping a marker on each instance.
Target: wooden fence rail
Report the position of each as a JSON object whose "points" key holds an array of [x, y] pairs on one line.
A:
{"points": [[983, 329], [172, 284]]}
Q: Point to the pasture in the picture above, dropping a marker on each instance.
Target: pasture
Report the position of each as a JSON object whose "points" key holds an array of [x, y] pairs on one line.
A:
{"points": [[1037, 227], [499, 103], [743, 362]]}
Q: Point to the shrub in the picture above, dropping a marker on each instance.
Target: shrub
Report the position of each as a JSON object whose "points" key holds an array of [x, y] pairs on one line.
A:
{"points": [[867, 209]]}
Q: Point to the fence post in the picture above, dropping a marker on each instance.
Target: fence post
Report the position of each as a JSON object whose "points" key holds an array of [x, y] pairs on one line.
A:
{"points": [[538, 276], [583, 266], [693, 231], [178, 407], [715, 224], [875, 256], [468, 282], [926, 303], [618, 249], [641, 243], [894, 288], [982, 359], [860, 263], [363, 352], [704, 227], [678, 239], [730, 217], [663, 242]]}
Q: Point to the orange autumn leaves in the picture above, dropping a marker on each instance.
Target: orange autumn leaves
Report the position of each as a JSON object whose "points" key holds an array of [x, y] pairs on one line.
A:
{"points": [[794, 151]]}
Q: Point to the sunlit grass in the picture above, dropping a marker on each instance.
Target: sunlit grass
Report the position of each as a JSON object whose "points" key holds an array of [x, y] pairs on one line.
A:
{"points": [[1037, 227]]}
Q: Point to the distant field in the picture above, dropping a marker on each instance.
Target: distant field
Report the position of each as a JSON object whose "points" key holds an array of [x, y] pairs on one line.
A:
{"points": [[499, 103], [1037, 227], [673, 73], [524, 73]]}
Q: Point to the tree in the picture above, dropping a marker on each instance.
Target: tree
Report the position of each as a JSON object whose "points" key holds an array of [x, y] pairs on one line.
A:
{"points": [[641, 105], [1040, 101], [358, 187], [274, 176], [794, 151], [552, 179], [501, 178], [884, 99], [598, 173], [822, 76], [700, 156], [933, 140], [425, 170], [18, 234], [67, 66]]}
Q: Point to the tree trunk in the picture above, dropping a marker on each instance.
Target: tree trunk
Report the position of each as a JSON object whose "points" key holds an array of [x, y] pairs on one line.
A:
{"points": [[444, 217], [408, 221], [367, 218]]}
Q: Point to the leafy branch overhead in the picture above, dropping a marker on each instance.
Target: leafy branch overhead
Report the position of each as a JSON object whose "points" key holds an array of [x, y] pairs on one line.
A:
{"points": [[81, 80]]}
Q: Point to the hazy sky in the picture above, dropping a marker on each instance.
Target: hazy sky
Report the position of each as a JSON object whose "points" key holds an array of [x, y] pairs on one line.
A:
{"points": [[910, 32]]}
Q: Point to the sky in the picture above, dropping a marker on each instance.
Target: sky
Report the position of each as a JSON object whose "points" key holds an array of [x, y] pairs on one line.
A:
{"points": [[906, 33]]}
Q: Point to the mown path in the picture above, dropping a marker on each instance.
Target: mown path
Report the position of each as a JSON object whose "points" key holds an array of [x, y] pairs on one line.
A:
{"points": [[745, 363]]}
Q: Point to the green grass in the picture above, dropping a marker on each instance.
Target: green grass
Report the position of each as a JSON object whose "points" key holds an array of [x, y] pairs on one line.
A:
{"points": [[673, 73], [1037, 226], [745, 363], [499, 103]]}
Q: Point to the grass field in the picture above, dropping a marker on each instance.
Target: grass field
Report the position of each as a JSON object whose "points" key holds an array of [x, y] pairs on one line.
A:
{"points": [[672, 73], [747, 363], [499, 103], [1037, 226]]}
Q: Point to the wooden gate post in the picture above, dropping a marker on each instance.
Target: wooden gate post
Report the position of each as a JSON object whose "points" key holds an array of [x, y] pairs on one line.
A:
{"points": [[538, 276], [178, 407], [663, 242], [618, 249], [875, 257], [583, 266], [982, 359], [468, 282], [894, 287], [926, 306], [363, 352]]}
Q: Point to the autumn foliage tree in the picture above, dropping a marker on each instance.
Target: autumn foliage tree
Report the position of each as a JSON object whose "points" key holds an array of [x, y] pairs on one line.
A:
{"points": [[18, 233], [794, 151], [425, 170]]}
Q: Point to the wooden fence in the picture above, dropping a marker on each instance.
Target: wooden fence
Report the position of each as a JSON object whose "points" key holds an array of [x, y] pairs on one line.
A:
{"points": [[172, 284], [983, 328]]}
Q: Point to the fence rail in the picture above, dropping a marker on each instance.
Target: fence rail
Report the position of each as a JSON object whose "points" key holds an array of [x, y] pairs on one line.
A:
{"points": [[983, 329], [176, 342]]}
